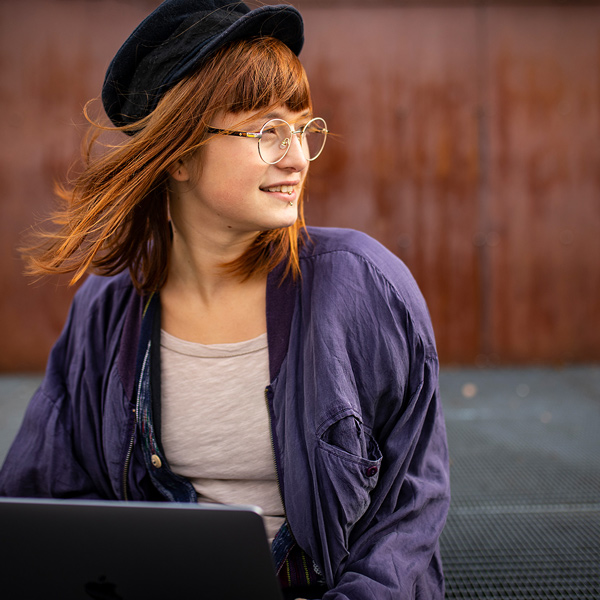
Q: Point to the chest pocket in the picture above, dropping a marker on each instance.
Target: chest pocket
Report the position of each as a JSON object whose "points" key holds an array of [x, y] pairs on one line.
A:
{"points": [[350, 461]]}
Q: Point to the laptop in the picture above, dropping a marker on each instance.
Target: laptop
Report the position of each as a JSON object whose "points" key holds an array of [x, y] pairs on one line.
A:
{"points": [[78, 549]]}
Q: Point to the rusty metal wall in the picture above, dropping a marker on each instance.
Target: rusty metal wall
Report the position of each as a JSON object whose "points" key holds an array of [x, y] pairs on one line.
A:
{"points": [[400, 87], [53, 55], [543, 205], [467, 141], [469, 145]]}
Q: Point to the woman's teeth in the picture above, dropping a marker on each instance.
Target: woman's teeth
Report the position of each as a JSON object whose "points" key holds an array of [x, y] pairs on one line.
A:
{"points": [[286, 189]]}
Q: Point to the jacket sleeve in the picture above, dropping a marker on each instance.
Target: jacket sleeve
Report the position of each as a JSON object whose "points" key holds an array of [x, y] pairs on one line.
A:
{"points": [[393, 551], [41, 462], [381, 462], [59, 450]]}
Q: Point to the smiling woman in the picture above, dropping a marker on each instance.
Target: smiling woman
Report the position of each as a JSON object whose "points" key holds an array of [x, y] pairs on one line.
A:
{"points": [[223, 351]]}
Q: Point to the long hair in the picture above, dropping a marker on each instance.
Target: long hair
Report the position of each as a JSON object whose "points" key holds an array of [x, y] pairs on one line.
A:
{"points": [[115, 215]]}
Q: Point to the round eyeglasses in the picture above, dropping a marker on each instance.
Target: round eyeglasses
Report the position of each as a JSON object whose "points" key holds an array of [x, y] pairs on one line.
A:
{"points": [[275, 138]]}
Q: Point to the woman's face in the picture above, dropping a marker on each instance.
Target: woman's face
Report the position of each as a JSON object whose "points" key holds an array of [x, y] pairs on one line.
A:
{"points": [[227, 186]]}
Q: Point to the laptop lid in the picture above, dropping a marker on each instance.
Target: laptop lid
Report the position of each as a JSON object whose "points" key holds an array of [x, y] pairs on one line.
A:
{"points": [[78, 549]]}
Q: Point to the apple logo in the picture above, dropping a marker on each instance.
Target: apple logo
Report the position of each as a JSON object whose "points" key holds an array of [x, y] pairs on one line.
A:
{"points": [[102, 590]]}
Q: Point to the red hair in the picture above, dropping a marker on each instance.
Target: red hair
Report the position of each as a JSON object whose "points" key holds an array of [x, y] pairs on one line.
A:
{"points": [[115, 216]]}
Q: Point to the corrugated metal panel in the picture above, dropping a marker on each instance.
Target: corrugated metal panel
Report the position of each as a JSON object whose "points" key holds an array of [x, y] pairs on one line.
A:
{"points": [[53, 55], [400, 88], [467, 142], [544, 118], [482, 173]]}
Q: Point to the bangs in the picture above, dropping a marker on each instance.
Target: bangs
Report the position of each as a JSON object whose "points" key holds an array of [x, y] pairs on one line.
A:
{"points": [[266, 73], [248, 75]]}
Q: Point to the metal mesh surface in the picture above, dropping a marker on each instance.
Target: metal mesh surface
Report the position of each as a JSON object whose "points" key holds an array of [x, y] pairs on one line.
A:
{"points": [[524, 521], [523, 555], [489, 470]]}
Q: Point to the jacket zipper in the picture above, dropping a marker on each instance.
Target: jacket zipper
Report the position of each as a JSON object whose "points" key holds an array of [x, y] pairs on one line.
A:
{"points": [[128, 457], [135, 423], [273, 447]]}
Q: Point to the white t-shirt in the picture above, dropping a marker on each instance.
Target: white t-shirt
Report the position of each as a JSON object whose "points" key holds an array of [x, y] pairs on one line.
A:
{"points": [[215, 422]]}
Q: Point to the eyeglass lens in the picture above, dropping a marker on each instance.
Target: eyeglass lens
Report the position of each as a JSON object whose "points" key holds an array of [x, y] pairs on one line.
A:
{"points": [[276, 139]]}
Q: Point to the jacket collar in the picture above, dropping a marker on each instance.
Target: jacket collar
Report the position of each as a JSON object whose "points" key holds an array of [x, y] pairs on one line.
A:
{"points": [[126, 361], [281, 301]]}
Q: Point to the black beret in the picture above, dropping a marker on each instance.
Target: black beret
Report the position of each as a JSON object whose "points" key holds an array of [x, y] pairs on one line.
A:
{"points": [[174, 40]]}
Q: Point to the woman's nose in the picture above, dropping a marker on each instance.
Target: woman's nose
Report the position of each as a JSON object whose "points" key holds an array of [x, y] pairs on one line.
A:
{"points": [[295, 157]]}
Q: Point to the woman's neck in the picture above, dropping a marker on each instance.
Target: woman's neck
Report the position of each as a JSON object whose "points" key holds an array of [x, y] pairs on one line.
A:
{"points": [[198, 257], [201, 301]]}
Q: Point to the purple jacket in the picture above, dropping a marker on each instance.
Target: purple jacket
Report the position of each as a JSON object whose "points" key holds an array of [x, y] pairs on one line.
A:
{"points": [[356, 417]]}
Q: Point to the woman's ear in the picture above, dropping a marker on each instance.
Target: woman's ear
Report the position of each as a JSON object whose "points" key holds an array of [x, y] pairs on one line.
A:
{"points": [[179, 171]]}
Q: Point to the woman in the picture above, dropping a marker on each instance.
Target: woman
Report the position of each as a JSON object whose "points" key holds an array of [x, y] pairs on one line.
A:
{"points": [[223, 333]]}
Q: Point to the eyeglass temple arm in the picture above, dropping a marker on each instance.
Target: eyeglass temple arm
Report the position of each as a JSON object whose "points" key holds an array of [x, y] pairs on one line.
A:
{"points": [[232, 132]]}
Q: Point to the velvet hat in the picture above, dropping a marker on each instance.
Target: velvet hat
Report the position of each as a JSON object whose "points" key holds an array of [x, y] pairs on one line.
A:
{"points": [[175, 39]]}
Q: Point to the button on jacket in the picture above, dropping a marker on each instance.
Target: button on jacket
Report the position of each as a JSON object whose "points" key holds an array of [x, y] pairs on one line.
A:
{"points": [[357, 423]]}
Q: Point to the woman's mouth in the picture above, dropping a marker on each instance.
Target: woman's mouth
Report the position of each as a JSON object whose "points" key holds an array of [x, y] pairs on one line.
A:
{"points": [[285, 189]]}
